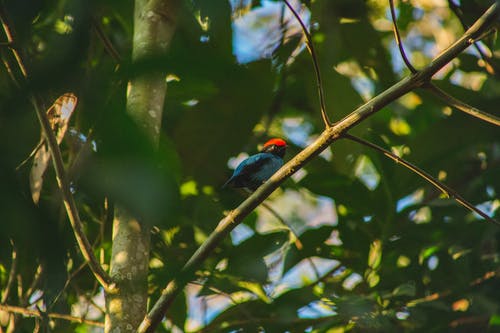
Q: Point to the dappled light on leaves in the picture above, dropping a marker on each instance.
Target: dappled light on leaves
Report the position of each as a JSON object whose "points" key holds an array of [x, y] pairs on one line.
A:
{"points": [[353, 242]]}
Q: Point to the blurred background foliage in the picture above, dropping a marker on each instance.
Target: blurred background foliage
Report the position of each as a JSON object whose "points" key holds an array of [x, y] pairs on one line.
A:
{"points": [[361, 244]]}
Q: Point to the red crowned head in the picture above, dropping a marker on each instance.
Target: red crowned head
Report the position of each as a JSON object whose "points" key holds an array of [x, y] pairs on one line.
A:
{"points": [[275, 146], [276, 141]]}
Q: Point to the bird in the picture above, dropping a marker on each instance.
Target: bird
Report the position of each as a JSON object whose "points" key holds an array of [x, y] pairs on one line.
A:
{"points": [[256, 169]]}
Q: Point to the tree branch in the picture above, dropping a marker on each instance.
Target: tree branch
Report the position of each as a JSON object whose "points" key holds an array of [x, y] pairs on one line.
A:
{"points": [[449, 192], [399, 42], [108, 45], [450, 100], [457, 104], [310, 47], [328, 136], [273, 212], [61, 177], [490, 66], [38, 314]]}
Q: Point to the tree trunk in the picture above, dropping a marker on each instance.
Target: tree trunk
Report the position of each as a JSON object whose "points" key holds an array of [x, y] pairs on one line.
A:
{"points": [[154, 24]]}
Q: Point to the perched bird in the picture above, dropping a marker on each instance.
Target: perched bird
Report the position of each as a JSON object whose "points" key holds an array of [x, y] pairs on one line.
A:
{"points": [[258, 168]]}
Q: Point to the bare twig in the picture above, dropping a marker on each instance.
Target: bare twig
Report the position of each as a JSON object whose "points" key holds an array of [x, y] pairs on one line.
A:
{"points": [[449, 192], [273, 212], [108, 45], [33, 153], [38, 314], [323, 141], [452, 101], [68, 199], [34, 284], [66, 284], [12, 274], [10, 40], [310, 47], [62, 180], [439, 295], [298, 243], [236, 324], [228, 296], [489, 65], [399, 42], [457, 104]]}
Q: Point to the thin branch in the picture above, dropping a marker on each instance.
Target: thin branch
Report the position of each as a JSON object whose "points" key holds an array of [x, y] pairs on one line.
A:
{"points": [[10, 40], [327, 137], [439, 295], [228, 296], [33, 153], [489, 65], [399, 42], [298, 243], [457, 104], [68, 199], [273, 212], [12, 274], [108, 45], [449, 192], [62, 180], [34, 284], [236, 324], [310, 47], [66, 284], [431, 87], [9, 69], [19, 280], [37, 314]]}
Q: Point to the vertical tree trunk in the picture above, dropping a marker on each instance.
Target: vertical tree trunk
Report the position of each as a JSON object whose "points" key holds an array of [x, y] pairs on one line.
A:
{"points": [[154, 24]]}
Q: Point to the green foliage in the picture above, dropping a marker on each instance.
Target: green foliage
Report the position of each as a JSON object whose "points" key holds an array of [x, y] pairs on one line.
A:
{"points": [[408, 259]]}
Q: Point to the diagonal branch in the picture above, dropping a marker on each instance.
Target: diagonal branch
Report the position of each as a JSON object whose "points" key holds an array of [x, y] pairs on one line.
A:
{"points": [[458, 104], [37, 314], [108, 45], [12, 274], [491, 67], [449, 192], [310, 47], [399, 42], [329, 135], [450, 100], [273, 212], [61, 176]]}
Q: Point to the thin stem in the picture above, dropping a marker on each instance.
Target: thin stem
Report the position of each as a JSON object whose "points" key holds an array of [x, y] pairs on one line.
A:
{"points": [[310, 47], [449, 192], [457, 104], [228, 296], [61, 176], [12, 274], [490, 66], [68, 199], [34, 284], [273, 212], [108, 45], [432, 88], [439, 295], [66, 284], [236, 324], [10, 40], [38, 314], [399, 42]]}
